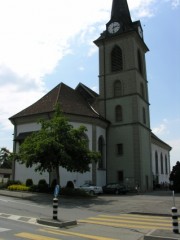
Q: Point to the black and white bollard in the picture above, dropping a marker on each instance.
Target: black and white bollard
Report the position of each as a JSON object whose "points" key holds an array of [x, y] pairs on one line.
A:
{"points": [[55, 208], [175, 220]]}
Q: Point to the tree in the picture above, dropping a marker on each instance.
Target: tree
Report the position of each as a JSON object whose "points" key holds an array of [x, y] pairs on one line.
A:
{"points": [[57, 144], [5, 158], [175, 177]]}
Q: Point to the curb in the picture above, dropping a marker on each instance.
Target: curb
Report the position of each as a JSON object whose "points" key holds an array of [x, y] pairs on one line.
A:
{"points": [[161, 235], [56, 223]]}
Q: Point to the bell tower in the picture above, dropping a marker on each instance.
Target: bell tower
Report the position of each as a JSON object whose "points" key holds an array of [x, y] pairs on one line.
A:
{"points": [[124, 99]]}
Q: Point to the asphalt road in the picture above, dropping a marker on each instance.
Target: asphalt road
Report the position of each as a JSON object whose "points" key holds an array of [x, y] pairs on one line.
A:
{"points": [[127, 217]]}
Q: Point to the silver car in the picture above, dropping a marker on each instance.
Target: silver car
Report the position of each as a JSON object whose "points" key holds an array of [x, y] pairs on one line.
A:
{"points": [[91, 189]]}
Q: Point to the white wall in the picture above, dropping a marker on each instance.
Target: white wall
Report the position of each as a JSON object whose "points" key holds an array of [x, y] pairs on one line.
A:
{"points": [[22, 173], [162, 177], [28, 127]]}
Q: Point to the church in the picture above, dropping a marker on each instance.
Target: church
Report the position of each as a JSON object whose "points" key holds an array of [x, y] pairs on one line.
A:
{"points": [[117, 119]]}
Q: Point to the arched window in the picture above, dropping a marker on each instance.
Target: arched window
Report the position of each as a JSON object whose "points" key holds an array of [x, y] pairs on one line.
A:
{"points": [[140, 66], [117, 89], [156, 163], [166, 164], [116, 59], [142, 90], [118, 113], [101, 150], [144, 115], [162, 165]]}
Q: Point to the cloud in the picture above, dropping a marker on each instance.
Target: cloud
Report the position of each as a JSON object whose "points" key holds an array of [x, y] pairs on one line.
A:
{"points": [[174, 3], [168, 130], [35, 37], [162, 129], [16, 93]]}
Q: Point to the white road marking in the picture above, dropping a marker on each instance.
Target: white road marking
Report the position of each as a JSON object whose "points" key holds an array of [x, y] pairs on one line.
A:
{"points": [[19, 202], [4, 229]]}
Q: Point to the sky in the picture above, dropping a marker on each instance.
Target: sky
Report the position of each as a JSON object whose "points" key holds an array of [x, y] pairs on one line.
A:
{"points": [[45, 42]]}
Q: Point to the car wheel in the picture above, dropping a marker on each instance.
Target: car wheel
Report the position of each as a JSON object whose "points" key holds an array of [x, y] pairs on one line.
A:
{"points": [[116, 192], [92, 193]]}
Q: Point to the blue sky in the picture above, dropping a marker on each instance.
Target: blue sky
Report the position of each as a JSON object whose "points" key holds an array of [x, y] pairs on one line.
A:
{"points": [[45, 42]]}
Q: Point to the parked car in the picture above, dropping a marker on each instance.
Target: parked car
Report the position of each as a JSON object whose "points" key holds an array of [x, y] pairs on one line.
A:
{"points": [[91, 189], [115, 188]]}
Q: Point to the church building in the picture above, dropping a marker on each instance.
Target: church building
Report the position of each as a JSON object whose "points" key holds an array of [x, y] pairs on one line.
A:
{"points": [[117, 119]]}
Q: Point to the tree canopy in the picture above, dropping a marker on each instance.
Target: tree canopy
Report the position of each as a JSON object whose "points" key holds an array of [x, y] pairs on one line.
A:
{"points": [[5, 158], [175, 177], [57, 144]]}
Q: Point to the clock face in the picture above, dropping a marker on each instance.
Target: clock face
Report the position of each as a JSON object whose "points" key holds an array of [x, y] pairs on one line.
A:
{"points": [[114, 27], [140, 32]]}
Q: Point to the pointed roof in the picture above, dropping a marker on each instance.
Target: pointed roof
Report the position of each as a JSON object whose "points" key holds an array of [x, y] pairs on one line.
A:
{"points": [[71, 101], [120, 11]]}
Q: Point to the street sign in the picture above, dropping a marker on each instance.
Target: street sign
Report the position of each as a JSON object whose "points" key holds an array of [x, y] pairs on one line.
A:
{"points": [[56, 191]]}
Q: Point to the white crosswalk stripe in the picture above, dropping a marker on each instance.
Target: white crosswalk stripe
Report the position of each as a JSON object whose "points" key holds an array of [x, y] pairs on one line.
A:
{"points": [[4, 229], [18, 218]]}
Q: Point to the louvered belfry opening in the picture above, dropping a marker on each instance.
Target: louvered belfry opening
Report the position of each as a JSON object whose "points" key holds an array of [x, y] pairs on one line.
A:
{"points": [[116, 59]]}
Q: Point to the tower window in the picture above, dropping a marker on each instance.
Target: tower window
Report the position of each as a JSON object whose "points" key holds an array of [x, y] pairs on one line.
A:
{"points": [[142, 90], [116, 59], [118, 113], [120, 149], [140, 62], [120, 176], [117, 89], [144, 115]]}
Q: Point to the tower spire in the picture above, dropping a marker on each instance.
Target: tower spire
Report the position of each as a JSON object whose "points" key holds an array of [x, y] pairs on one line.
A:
{"points": [[120, 11]]}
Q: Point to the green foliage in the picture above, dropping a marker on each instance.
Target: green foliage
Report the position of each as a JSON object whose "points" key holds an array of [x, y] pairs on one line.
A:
{"points": [[42, 185], [17, 187], [29, 182], [57, 144], [175, 177], [70, 184], [13, 182], [6, 158]]}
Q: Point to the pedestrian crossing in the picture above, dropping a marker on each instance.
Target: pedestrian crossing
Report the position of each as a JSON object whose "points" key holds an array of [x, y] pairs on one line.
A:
{"points": [[135, 221], [60, 233], [123, 221]]}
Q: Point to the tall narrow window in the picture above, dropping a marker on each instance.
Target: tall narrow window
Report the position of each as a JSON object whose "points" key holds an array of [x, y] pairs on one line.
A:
{"points": [[118, 113], [117, 89], [120, 176], [144, 115], [119, 149], [156, 163], [162, 165], [140, 62], [166, 164], [142, 90], [116, 59], [100, 149]]}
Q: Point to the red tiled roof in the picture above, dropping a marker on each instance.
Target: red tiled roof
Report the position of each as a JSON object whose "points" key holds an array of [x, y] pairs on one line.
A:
{"points": [[71, 101]]}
